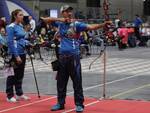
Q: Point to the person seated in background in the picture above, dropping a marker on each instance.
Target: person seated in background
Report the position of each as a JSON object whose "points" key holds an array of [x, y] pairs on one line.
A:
{"points": [[84, 42], [91, 36], [3, 36], [42, 35], [123, 37], [117, 22], [42, 38], [3, 41], [2, 22], [145, 34], [32, 23], [131, 36]]}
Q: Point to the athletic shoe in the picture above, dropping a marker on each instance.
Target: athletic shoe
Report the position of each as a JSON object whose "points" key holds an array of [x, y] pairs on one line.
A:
{"points": [[12, 99], [57, 107], [23, 97], [79, 109]]}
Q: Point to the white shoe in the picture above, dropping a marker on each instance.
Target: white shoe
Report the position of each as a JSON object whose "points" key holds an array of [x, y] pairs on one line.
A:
{"points": [[13, 100], [53, 45], [23, 97], [32, 56]]}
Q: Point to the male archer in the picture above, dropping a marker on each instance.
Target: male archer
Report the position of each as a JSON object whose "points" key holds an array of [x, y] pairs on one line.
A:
{"points": [[69, 56]]}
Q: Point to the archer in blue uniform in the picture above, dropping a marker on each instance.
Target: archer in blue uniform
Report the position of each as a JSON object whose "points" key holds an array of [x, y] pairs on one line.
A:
{"points": [[16, 48], [69, 56]]}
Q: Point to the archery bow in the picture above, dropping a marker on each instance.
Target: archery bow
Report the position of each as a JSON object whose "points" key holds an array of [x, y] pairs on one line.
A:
{"points": [[106, 28]]}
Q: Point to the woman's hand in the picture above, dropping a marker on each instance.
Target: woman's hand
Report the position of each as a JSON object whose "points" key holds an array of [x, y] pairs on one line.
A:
{"points": [[18, 60]]}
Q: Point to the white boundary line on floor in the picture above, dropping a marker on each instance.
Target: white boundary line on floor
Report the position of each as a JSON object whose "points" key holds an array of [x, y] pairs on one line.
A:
{"points": [[116, 95], [25, 105]]}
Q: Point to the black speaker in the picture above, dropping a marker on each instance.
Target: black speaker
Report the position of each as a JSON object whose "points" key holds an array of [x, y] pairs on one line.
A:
{"points": [[93, 3], [147, 7], [26, 20], [47, 12]]}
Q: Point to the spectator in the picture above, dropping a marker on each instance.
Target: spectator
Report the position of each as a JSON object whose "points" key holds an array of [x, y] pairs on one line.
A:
{"points": [[2, 22], [3, 36], [117, 22], [123, 37], [84, 41], [32, 23], [137, 23]]}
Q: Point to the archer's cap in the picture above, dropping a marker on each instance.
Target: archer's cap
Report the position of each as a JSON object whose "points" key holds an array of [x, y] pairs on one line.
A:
{"points": [[65, 7]]}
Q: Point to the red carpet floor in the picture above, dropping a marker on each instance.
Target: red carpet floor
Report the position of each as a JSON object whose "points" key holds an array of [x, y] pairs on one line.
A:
{"points": [[43, 105]]}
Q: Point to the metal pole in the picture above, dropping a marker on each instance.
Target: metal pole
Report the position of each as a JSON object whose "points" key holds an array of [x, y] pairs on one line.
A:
{"points": [[36, 7], [33, 5], [35, 76], [105, 8], [104, 75], [132, 9]]}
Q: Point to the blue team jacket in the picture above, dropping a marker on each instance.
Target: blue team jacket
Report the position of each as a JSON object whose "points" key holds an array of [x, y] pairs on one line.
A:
{"points": [[69, 43], [16, 39]]}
